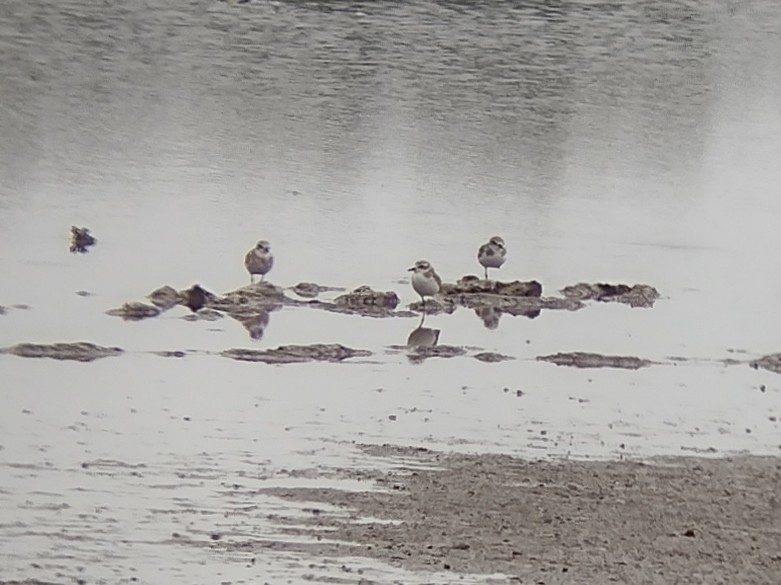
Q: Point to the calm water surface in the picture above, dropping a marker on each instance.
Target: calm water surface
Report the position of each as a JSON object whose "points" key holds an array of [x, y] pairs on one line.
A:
{"points": [[604, 142]]}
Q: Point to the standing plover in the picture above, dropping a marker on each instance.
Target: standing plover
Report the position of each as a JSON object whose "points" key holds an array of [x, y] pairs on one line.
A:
{"points": [[425, 280], [259, 260], [492, 254]]}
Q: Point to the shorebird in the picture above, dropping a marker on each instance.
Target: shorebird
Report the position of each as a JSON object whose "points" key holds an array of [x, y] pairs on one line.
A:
{"points": [[425, 280], [259, 260], [492, 254]]}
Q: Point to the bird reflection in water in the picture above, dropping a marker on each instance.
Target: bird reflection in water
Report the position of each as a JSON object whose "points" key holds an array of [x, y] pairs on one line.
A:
{"points": [[256, 325], [490, 315], [423, 336]]}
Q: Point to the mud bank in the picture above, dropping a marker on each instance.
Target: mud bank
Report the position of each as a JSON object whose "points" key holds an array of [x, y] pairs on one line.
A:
{"points": [[681, 520], [580, 359], [770, 362], [294, 354], [637, 295], [81, 351], [488, 298]]}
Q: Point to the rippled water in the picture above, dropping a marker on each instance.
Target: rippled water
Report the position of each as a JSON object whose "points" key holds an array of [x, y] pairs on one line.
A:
{"points": [[634, 142]]}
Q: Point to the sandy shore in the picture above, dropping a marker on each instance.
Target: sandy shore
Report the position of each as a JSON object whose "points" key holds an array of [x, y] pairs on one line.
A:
{"points": [[674, 520]]}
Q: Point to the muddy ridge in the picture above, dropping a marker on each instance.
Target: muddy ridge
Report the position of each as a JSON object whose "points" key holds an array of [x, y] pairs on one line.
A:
{"points": [[288, 354], [488, 298], [581, 359], [81, 351]]}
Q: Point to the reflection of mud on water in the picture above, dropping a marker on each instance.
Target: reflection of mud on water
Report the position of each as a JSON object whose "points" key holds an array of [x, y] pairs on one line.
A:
{"points": [[310, 290], [423, 337], [582, 522]]}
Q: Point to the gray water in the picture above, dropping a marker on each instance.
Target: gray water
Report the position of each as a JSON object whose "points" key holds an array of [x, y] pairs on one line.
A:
{"points": [[604, 142]]}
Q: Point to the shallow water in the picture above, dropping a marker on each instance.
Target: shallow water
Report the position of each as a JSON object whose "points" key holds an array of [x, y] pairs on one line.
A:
{"points": [[603, 142]]}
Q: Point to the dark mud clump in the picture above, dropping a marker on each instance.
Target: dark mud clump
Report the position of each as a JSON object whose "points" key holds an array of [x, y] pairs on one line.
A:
{"points": [[171, 353], [310, 290], [581, 359], [490, 299], [196, 298], [134, 311], [365, 296], [471, 285], [81, 240], [491, 357], [164, 297], [422, 352], [363, 301], [770, 362], [249, 300], [433, 306], [81, 351], [294, 354], [638, 295]]}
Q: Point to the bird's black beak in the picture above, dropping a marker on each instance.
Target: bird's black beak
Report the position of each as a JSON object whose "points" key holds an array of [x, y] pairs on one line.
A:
{"points": [[411, 269]]}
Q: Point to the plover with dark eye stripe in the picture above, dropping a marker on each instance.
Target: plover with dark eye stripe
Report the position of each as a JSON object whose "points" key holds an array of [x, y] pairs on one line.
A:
{"points": [[425, 280], [492, 254], [259, 260]]}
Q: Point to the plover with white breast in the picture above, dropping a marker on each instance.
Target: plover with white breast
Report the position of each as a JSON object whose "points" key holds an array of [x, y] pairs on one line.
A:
{"points": [[492, 254], [425, 280], [259, 260]]}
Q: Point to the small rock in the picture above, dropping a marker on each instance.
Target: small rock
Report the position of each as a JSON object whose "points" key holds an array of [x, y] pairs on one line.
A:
{"points": [[164, 297], [196, 297]]}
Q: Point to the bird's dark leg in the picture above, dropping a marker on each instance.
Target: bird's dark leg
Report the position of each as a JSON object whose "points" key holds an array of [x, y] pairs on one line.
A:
{"points": [[262, 276], [423, 300], [486, 272]]}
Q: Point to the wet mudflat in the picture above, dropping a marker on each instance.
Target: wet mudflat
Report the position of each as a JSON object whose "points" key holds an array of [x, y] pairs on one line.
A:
{"points": [[682, 520]]}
